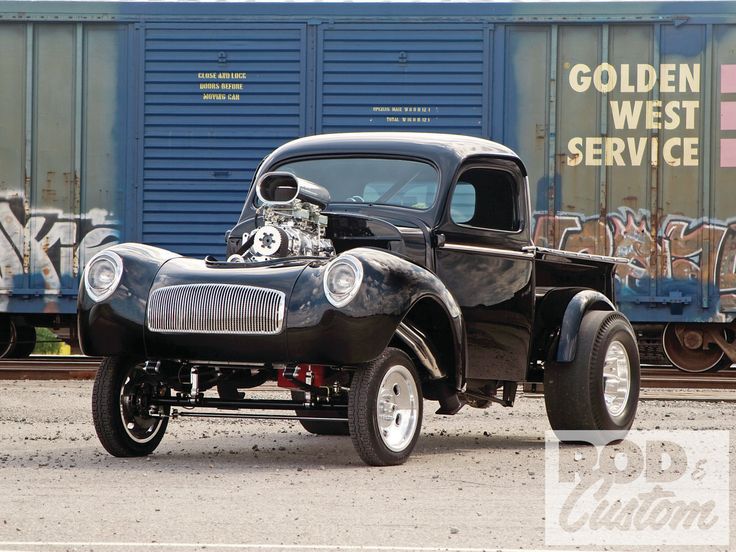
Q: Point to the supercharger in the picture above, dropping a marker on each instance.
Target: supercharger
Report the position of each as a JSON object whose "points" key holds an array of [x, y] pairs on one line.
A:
{"points": [[291, 222]]}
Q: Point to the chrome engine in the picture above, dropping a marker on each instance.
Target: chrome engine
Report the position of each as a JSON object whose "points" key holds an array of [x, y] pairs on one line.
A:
{"points": [[292, 221]]}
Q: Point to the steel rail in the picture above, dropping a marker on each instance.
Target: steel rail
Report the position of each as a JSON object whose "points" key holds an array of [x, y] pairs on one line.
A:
{"points": [[81, 367]]}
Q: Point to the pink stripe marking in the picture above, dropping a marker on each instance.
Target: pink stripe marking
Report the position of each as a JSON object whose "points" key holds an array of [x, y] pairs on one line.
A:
{"points": [[728, 152], [728, 115], [728, 78]]}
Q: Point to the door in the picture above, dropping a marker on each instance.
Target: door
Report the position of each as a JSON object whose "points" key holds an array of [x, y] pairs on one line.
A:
{"points": [[484, 265]]}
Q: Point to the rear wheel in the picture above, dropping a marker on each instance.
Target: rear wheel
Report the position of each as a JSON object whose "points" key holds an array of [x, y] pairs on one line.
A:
{"points": [[121, 398], [599, 389], [385, 409], [320, 427]]}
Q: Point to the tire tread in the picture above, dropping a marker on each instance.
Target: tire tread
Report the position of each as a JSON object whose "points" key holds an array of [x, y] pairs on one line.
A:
{"points": [[106, 411]]}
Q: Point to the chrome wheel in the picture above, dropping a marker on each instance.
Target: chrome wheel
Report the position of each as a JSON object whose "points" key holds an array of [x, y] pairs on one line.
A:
{"points": [[397, 408], [385, 408], [616, 379], [135, 394]]}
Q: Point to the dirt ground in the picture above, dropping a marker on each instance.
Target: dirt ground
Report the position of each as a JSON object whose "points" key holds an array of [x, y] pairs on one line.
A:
{"points": [[475, 481]]}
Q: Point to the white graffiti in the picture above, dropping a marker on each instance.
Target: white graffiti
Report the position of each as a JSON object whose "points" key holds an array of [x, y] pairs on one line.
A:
{"points": [[48, 243]]}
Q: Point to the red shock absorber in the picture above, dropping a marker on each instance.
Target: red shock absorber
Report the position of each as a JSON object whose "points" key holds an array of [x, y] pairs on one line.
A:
{"points": [[311, 374]]}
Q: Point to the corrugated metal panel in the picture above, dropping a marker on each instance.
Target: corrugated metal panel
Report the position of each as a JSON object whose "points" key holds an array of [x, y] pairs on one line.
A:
{"points": [[634, 153], [403, 77], [526, 123], [722, 135], [217, 99], [56, 207]]}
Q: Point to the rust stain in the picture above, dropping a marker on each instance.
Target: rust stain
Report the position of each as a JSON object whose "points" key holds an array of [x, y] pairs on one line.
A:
{"points": [[26, 232], [630, 201]]}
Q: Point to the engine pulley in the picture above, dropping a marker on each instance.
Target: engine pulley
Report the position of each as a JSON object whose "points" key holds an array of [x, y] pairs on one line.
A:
{"points": [[271, 241]]}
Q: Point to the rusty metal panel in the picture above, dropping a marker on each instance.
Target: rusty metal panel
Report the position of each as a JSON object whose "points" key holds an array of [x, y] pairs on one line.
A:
{"points": [[578, 165], [627, 197], [104, 168], [62, 146], [723, 164], [634, 163], [53, 174], [685, 255], [12, 153], [526, 113]]}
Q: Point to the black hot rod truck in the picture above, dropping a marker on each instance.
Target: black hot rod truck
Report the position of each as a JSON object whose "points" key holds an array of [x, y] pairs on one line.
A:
{"points": [[367, 272]]}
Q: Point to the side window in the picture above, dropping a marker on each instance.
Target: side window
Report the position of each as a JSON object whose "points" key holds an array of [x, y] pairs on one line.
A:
{"points": [[486, 198]]}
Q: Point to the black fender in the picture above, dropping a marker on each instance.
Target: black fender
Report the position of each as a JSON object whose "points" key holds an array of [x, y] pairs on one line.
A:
{"points": [[119, 320], [362, 329], [580, 303]]}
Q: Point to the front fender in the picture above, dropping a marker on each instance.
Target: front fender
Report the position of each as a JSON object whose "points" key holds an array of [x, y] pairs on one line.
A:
{"points": [[362, 329], [118, 321]]}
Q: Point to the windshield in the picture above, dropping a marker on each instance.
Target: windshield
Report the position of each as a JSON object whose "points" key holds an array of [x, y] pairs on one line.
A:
{"points": [[401, 182]]}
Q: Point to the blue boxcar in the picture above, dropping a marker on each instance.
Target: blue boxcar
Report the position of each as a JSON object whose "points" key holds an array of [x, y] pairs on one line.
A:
{"points": [[145, 122]]}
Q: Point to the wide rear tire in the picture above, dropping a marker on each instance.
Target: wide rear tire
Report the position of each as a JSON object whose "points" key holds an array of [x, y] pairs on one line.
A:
{"points": [[599, 389], [119, 408]]}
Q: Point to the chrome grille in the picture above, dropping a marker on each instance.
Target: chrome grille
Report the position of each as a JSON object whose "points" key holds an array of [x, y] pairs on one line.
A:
{"points": [[216, 309]]}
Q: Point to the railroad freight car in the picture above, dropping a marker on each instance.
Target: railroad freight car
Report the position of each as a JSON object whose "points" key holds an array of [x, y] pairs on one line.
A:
{"points": [[145, 122]]}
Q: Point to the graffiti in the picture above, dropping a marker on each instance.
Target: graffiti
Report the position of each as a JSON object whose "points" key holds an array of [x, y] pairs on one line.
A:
{"points": [[47, 245], [682, 249]]}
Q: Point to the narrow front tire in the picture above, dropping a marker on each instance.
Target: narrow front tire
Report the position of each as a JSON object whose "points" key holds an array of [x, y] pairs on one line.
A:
{"points": [[120, 408], [385, 409]]}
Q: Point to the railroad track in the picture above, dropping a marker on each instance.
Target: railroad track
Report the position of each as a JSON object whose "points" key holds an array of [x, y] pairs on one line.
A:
{"points": [[81, 367], [49, 367]]}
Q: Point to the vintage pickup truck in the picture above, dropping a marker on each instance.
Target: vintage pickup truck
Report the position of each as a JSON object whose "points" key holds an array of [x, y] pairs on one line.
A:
{"points": [[367, 273]]}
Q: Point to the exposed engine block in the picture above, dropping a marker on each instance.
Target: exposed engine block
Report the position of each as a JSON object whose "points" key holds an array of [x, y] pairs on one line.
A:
{"points": [[292, 221]]}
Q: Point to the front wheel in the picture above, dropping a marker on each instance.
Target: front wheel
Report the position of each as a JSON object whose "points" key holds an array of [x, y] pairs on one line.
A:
{"points": [[385, 409], [121, 398], [599, 389]]}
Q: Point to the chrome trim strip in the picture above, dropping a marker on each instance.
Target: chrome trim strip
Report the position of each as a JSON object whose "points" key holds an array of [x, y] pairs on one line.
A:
{"points": [[577, 255], [410, 231], [489, 250], [216, 309]]}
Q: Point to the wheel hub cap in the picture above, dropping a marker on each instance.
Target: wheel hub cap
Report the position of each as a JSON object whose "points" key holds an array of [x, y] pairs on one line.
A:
{"points": [[616, 379], [397, 408], [134, 396]]}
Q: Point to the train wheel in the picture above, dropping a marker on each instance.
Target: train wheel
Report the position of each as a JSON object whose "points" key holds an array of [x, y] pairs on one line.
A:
{"points": [[7, 338], [16, 341], [25, 342], [688, 348]]}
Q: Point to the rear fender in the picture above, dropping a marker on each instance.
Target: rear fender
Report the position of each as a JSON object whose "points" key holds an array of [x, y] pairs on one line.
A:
{"points": [[580, 303]]}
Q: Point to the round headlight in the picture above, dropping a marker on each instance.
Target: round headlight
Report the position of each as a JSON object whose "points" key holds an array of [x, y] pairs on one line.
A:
{"points": [[342, 280], [102, 275]]}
